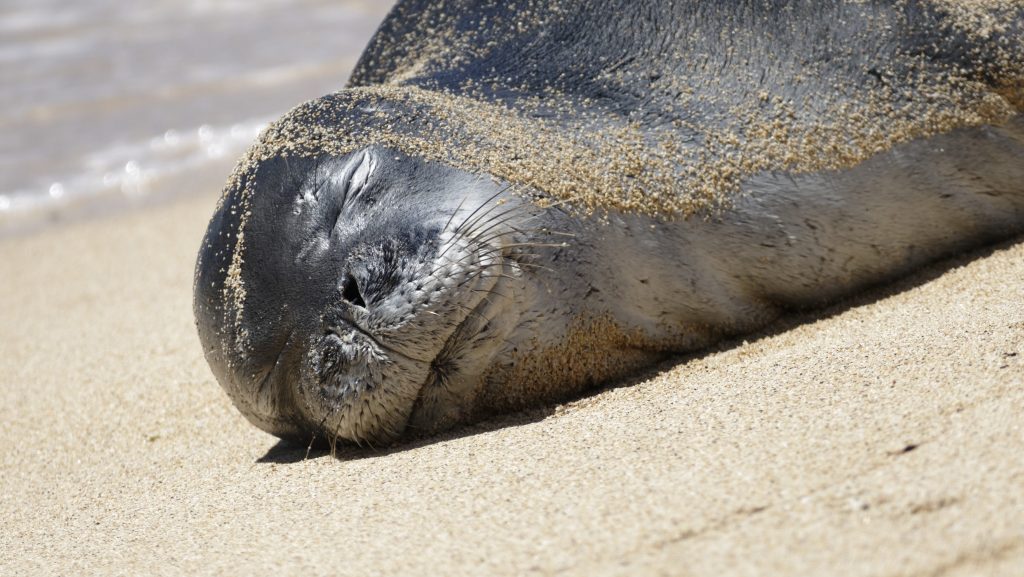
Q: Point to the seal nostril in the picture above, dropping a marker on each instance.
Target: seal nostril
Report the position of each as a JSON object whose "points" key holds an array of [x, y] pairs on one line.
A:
{"points": [[350, 292]]}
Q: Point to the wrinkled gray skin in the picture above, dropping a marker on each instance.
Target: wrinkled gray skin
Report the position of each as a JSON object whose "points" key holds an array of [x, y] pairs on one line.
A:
{"points": [[386, 295]]}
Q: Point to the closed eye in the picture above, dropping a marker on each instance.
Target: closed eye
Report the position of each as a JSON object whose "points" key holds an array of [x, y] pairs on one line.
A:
{"points": [[358, 172], [349, 183]]}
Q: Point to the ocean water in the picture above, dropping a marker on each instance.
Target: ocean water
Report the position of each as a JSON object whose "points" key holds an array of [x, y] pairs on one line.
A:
{"points": [[106, 104]]}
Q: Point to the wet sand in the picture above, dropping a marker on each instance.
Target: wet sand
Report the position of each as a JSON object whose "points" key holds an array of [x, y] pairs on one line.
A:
{"points": [[882, 437]]}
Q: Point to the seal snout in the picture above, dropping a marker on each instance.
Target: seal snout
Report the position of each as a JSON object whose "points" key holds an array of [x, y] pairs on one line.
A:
{"points": [[362, 291], [408, 314]]}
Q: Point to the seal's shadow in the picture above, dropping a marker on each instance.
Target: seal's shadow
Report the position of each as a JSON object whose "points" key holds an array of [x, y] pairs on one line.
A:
{"points": [[284, 451], [290, 452]]}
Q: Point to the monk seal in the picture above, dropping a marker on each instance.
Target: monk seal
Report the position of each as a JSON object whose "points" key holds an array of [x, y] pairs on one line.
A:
{"points": [[513, 201]]}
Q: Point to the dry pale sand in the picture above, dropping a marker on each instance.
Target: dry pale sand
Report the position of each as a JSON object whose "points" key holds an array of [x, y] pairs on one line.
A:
{"points": [[881, 438]]}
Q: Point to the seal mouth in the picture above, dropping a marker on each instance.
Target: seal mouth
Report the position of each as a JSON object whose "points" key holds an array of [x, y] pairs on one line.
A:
{"points": [[356, 389], [333, 334]]}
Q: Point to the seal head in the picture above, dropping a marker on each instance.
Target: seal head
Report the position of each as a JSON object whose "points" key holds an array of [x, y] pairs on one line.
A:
{"points": [[359, 289]]}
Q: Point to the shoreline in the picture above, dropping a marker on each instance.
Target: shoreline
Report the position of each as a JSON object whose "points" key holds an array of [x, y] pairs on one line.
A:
{"points": [[197, 182]]}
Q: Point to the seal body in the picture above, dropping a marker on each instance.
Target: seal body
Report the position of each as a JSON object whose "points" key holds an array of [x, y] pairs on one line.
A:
{"points": [[514, 201]]}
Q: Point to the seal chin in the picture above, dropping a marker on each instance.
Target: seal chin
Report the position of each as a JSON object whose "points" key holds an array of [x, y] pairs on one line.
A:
{"points": [[358, 392]]}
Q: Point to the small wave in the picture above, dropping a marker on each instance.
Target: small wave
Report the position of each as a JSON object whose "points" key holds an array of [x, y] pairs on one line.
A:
{"points": [[126, 172]]}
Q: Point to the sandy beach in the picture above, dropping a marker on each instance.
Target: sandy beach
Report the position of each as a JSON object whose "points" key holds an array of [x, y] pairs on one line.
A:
{"points": [[880, 437]]}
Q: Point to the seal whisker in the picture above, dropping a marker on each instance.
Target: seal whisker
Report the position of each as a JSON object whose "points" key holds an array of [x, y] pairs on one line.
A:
{"points": [[490, 292], [494, 256], [470, 254], [462, 226], [491, 205], [452, 241], [316, 432], [513, 210], [495, 262], [470, 219], [484, 298], [485, 269], [499, 235], [483, 239], [485, 266], [504, 276], [454, 212], [537, 244], [477, 235], [478, 275], [465, 257], [460, 260], [534, 265], [487, 237]]}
